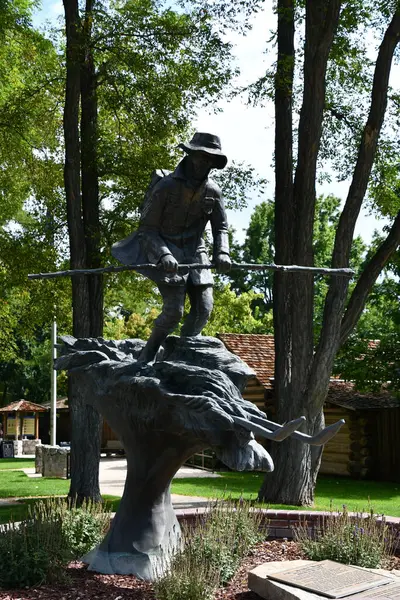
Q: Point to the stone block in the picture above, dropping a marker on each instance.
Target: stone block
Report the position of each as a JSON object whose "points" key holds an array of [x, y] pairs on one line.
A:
{"points": [[272, 590], [54, 461], [259, 583], [29, 446], [39, 459]]}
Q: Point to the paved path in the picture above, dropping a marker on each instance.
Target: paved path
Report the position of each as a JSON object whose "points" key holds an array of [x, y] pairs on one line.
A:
{"points": [[113, 475]]}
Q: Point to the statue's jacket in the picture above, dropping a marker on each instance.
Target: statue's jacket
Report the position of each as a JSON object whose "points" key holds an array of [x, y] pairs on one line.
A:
{"points": [[173, 221]]}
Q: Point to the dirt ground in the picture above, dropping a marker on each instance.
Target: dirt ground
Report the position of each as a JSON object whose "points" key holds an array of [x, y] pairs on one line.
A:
{"points": [[85, 585]]}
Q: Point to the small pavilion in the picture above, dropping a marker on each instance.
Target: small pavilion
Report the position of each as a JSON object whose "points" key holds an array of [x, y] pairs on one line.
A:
{"points": [[21, 418]]}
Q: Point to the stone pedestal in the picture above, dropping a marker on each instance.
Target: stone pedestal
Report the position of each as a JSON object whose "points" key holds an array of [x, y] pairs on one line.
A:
{"points": [[39, 459], [29, 446], [269, 589], [54, 461]]}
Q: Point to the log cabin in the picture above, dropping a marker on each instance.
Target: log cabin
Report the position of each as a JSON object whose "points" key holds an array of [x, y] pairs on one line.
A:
{"points": [[366, 447]]}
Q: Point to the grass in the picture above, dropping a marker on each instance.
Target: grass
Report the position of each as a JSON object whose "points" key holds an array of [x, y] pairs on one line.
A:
{"points": [[19, 511], [15, 484], [382, 497], [7, 464]]}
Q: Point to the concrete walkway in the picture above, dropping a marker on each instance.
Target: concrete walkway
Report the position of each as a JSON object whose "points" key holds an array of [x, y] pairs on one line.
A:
{"points": [[113, 474]]}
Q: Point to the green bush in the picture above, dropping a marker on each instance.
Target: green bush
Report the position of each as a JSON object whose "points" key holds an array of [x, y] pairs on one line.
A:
{"points": [[188, 577], [33, 552], [211, 552], [85, 527], [39, 549], [359, 540]]}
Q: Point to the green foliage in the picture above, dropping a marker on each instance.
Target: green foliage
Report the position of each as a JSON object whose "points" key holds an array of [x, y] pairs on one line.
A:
{"points": [[84, 527], [188, 578], [38, 549], [237, 182], [357, 540], [212, 551], [229, 532], [34, 551], [233, 313], [259, 247], [371, 356]]}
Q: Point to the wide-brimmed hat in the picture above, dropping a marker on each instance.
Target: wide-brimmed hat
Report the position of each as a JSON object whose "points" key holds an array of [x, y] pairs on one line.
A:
{"points": [[208, 143]]}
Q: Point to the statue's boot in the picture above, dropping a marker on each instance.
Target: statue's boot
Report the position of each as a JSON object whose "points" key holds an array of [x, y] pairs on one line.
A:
{"points": [[152, 346]]}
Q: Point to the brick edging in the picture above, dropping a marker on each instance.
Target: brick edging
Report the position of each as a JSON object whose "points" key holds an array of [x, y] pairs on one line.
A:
{"points": [[281, 522]]}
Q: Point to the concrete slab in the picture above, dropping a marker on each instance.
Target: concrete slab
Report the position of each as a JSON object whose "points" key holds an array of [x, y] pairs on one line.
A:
{"points": [[259, 583]]}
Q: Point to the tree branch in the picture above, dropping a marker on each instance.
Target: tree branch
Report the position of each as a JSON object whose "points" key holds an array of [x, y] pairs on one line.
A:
{"points": [[337, 293], [368, 145], [367, 279]]}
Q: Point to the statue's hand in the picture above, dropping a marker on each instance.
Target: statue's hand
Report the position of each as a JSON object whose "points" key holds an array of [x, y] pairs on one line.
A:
{"points": [[169, 263], [223, 263]]}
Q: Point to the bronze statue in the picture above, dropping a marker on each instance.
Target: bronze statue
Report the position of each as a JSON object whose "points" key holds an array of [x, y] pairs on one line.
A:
{"points": [[174, 216]]}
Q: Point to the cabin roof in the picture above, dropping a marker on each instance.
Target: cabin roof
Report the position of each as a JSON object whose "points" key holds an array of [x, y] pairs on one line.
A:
{"points": [[23, 406], [258, 351], [61, 404], [343, 393]]}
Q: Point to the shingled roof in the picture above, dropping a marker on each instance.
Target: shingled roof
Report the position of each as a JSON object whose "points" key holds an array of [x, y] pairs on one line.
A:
{"points": [[23, 406], [258, 351], [343, 393], [61, 404]]}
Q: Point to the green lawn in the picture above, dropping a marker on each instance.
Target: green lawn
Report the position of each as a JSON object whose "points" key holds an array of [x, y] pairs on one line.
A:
{"points": [[16, 463], [382, 497], [18, 512], [356, 495], [15, 484]]}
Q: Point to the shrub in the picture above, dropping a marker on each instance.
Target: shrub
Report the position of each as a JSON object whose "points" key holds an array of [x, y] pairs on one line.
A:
{"points": [[211, 552], [188, 577], [359, 540], [38, 550], [229, 532], [85, 527], [33, 552]]}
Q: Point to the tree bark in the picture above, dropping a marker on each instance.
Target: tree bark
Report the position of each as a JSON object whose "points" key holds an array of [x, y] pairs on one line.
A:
{"points": [[293, 479], [85, 421], [284, 219], [90, 177], [309, 375]]}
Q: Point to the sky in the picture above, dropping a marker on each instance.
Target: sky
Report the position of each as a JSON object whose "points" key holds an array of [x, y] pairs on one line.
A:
{"points": [[246, 132]]}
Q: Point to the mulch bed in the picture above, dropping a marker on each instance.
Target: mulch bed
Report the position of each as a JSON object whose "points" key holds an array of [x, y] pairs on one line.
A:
{"points": [[86, 585]]}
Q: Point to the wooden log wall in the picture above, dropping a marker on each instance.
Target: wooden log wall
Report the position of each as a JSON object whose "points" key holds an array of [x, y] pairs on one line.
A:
{"points": [[349, 453], [255, 392], [385, 456]]}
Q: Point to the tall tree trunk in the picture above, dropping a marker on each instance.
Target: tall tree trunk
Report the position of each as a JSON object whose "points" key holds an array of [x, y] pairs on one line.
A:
{"points": [[90, 177], [297, 466], [293, 479], [85, 421]]}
